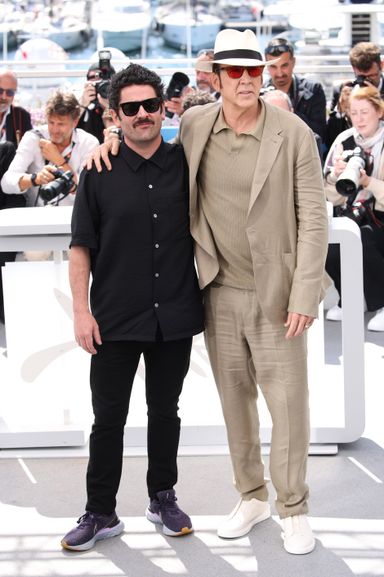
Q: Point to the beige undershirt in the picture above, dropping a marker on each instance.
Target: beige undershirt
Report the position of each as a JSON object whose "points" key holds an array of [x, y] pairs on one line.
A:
{"points": [[227, 169]]}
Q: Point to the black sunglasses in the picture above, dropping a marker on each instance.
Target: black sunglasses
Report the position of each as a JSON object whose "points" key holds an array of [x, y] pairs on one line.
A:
{"points": [[278, 49], [150, 105], [8, 91]]}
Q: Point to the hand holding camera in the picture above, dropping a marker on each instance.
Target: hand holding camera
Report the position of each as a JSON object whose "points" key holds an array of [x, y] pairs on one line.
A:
{"points": [[45, 175], [60, 185], [356, 165], [89, 94]]}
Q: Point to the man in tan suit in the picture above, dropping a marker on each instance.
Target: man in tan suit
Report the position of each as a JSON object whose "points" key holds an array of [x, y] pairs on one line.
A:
{"points": [[258, 218]]}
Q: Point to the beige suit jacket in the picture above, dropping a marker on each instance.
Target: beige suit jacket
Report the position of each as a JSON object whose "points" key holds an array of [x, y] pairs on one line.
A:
{"points": [[287, 224]]}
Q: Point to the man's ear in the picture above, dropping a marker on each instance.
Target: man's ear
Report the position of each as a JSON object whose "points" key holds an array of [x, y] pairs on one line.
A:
{"points": [[115, 118], [215, 81]]}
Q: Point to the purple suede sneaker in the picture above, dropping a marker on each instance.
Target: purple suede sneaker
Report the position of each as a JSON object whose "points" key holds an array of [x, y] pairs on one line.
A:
{"points": [[92, 527], [164, 511]]}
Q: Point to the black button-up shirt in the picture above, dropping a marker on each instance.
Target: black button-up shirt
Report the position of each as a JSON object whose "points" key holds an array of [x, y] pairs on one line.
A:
{"points": [[135, 221]]}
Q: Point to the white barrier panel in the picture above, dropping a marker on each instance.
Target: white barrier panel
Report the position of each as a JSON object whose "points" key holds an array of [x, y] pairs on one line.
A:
{"points": [[44, 388]]}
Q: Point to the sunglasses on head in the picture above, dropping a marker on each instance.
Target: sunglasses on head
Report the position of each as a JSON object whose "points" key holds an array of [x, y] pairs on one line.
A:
{"points": [[8, 91], [206, 52], [278, 49], [150, 105], [238, 71], [95, 76]]}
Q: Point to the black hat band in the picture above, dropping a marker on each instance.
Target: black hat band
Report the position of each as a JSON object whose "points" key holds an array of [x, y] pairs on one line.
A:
{"points": [[228, 54]]}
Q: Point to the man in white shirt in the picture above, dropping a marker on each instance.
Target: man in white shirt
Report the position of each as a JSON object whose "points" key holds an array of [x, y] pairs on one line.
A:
{"points": [[57, 145]]}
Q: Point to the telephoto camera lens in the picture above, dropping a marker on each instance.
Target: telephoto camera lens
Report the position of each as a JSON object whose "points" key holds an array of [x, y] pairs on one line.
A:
{"points": [[348, 181], [176, 86], [61, 185]]}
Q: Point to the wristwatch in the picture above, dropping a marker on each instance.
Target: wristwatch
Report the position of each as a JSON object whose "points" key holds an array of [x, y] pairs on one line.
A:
{"points": [[33, 179]]}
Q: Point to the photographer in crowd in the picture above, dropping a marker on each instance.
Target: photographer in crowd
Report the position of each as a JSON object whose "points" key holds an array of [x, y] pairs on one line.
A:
{"points": [[59, 145], [365, 59], [14, 122], [203, 78], [354, 177], [94, 99], [307, 97]]}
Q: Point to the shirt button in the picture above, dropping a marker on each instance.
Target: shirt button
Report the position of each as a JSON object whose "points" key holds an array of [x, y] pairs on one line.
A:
{"points": [[157, 245], [157, 275], [150, 186], [154, 215], [156, 305]]}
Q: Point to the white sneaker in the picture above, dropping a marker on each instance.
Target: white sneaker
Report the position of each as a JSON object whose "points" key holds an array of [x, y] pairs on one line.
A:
{"points": [[244, 516], [297, 535], [334, 314], [377, 322]]}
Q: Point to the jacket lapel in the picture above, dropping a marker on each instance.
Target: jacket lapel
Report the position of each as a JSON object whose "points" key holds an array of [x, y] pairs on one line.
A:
{"points": [[269, 148], [195, 147]]}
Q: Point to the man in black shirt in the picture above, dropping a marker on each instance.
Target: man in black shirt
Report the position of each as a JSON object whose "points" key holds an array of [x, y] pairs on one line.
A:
{"points": [[130, 230]]}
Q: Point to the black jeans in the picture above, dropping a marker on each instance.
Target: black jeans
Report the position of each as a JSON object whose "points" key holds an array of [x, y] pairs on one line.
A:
{"points": [[373, 266], [112, 373]]}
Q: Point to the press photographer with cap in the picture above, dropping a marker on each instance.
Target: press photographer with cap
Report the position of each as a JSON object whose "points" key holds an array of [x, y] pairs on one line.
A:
{"points": [[259, 221], [203, 78]]}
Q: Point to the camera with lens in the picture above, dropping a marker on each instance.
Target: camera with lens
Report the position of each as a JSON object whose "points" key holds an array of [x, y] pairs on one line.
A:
{"points": [[60, 187], [347, 183], [106, 71], [175, 88], [102, 87]]}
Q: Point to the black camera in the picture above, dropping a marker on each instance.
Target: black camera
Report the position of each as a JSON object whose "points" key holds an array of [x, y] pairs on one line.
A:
{"points": [[62, 185], [176, 86], [348, 182], [361, 81], [106, 71], [102, 87], [105, 67], [359, 211]]}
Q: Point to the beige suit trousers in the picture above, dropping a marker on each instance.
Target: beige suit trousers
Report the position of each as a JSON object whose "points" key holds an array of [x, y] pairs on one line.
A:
{"points": [[246, 351]]}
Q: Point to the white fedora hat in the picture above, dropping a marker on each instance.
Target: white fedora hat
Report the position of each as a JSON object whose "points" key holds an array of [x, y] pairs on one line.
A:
{"points": [[235, 48]]}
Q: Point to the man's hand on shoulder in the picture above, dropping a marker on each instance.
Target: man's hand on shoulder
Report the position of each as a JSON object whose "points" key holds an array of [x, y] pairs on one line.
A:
{"points": [[111, 145]]}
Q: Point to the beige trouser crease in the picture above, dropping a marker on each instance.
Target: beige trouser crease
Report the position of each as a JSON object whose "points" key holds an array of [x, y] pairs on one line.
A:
{"points": [[246, 350]]}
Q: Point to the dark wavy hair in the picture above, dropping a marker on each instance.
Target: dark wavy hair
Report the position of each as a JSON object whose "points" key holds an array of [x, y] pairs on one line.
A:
{"points": [[133, 74]]}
